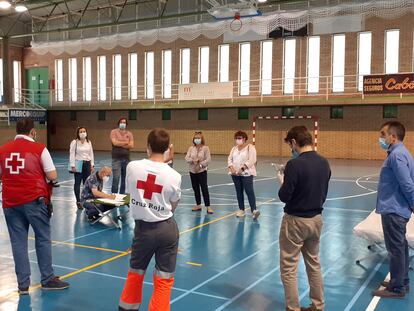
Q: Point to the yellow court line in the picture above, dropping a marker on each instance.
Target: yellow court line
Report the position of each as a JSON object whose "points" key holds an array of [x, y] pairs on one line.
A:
{"points": [[208, 223], [90, 247], [193, 264]]}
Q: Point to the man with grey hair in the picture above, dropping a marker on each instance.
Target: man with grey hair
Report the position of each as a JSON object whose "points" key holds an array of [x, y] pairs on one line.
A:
{"points": [[93, 190]]}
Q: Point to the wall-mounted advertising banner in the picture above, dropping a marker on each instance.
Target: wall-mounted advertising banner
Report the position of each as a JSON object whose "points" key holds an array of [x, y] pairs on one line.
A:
{"points": [[37, 115], [200, 91], [388, 84]]}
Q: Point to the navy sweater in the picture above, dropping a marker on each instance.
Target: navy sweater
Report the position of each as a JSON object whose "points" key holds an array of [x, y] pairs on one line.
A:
{"points": [[305, 185]]}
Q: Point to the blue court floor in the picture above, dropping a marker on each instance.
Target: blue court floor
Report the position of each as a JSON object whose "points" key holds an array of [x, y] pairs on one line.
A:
{"points": [[224, 263]]}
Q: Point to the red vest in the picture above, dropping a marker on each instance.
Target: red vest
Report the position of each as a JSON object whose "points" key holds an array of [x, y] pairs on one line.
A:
{"points": [[22, 172]]}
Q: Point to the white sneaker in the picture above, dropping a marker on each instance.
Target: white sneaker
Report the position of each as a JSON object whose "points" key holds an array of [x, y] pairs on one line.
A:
{"points": [[240, 213], [256, 214]]}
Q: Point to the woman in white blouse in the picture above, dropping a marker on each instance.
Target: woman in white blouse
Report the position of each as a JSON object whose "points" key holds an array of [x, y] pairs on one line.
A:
{"points": [[198, 157], [242, 168], [81, 160]]}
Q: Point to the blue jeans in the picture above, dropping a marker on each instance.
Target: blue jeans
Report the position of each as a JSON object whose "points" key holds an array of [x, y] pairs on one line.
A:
{"points": [[18, 219], [244, 183], [394, 228], [80, 178], [119, 171]]}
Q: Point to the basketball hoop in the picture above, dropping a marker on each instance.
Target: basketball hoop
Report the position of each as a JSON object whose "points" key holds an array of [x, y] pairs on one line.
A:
{"points": [[236, 24]]}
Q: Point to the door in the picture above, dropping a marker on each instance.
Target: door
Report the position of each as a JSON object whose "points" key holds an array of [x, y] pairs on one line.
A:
{"points": [[37, 82]]}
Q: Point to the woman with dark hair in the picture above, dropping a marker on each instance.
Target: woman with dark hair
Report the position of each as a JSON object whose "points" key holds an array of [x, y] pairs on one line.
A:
{"points": [[81, 160], [198, 157], [242, 168]]}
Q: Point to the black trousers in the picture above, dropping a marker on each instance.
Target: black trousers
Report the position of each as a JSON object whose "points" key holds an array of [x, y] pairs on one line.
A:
{"points": [[200, 180], [80, 178]]}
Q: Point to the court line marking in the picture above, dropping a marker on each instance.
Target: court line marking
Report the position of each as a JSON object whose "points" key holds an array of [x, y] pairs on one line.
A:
{"points": [[118, 277], [363, 286], [375, 300], [229, 302], [194, 264]]}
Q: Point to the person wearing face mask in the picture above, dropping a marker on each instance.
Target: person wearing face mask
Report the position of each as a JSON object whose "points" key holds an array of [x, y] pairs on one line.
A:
{"points": [[242, 168], [304, 187], [93, 190], [81, 160], [25, 167], [395, 203], [122, 142], [198, 157]]}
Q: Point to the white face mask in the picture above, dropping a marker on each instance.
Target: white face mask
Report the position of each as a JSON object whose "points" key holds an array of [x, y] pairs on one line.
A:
{"points": [[105, 179], [82, 135], [239, 142], [122, 126], [197, 141]]}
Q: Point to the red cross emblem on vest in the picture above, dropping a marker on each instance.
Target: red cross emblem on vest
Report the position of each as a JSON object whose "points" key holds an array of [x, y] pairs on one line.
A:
{"points": [[149, 186], [14, 163]]}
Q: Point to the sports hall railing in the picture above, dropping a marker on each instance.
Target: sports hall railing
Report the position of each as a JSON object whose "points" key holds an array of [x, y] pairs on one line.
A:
{"points": [[326, 89]]}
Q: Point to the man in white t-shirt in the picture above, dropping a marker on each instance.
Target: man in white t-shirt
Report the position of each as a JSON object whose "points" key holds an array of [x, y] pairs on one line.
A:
{"points": [[155, 191]]}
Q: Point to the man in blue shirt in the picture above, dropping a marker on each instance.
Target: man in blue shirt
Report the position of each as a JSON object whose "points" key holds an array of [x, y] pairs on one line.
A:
{"points": [[395, 203]]}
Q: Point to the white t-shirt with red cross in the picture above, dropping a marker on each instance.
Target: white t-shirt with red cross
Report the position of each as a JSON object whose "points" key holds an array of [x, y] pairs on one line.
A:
{"points": [[152, 186]]}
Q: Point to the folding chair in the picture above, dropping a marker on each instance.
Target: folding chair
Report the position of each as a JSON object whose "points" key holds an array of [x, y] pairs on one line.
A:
{"points": [[106, 213]]}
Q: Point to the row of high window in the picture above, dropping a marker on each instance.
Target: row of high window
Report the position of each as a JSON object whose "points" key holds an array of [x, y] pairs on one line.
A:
{"points": [[146, 87]]}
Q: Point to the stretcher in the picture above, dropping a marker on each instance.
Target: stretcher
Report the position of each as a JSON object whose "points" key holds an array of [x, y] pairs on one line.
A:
{"points": [[370, 229]]}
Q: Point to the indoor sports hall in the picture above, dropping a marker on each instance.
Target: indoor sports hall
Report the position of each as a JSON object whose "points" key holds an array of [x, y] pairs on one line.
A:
{"points": [[210, 69]]}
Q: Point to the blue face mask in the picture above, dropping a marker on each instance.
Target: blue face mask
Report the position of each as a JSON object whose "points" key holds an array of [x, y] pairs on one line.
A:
{"points": [[383, 144], [197, 141], [295, 154], [122, 126]]}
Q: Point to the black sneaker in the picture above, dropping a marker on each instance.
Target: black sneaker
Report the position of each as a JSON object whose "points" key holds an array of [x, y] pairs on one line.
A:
{"points": [[23, 291], [385, 284], [93, 217], [55, 284], [79, 205]]}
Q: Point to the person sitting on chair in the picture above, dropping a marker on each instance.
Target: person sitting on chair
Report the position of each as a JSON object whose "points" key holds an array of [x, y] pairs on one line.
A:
{"points": [[93, 190]]}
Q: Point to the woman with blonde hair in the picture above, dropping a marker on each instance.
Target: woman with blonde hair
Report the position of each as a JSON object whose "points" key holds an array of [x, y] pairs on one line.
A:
{"points": [[198, 157], [242, 168]]}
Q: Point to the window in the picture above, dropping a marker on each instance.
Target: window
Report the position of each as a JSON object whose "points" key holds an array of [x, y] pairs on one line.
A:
{"points": [[289, 66], [101, 78], [203, 114], [244, 69], [166, 73], [101, 115], [117, 77], [17, 81], [392, 50], [166, 114], [132, 115], [203, 63], [149, 75], [288, 111], [266, 70], [185, 66], [73, 116], [243, 113], [73, 79], [337, 112], [313, 64], [133, 76], [1, 80], [224, 57], [390, 111], [338, 63], [59, 80], [364, 57], [87, 79]]}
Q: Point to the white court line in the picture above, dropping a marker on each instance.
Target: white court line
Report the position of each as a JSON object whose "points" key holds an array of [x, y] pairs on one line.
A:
{"points": [[363, 286], [255, 283], [374, 302], [119, 277]]}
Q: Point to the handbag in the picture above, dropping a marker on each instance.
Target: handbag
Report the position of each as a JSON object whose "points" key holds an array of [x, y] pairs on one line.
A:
{"points": [[78, 163]]}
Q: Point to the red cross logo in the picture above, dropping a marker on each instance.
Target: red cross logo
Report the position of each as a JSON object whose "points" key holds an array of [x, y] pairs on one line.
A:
{"points": [[14, 163], [149, 186]]}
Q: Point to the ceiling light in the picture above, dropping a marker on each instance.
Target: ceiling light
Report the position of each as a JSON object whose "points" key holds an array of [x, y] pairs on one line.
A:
{"points": [[20, 8], [261, 1], [4, 5]]}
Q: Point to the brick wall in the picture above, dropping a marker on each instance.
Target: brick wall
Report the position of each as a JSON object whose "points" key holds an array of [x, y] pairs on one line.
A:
{"points": [[353, 137]]}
